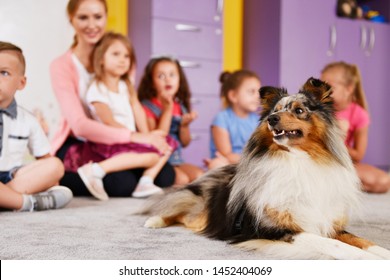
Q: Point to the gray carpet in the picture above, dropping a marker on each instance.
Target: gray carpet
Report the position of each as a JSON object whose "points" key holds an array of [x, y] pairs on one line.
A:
{"points": [[91, 229]]}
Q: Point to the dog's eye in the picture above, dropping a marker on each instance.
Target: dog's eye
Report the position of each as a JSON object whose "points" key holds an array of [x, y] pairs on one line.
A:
{"points": [[298, 111]]}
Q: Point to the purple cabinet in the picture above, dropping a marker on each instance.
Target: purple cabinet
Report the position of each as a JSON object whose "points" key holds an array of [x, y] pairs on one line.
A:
{"points": [[203, 11], [207, 107], [180, 38], [202, 74], [192, 33], [307, 40], [199, 148]]}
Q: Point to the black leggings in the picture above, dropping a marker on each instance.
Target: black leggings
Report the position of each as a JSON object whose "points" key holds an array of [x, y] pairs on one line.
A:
{"points": [[116, 184]]}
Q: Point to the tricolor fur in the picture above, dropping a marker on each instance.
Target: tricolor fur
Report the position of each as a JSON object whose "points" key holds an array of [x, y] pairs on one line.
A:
{"points": [[291, 193]]}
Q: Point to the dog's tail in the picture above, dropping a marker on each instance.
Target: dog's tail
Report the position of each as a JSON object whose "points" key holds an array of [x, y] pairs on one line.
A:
{"points": [[191, 205], [193, 196], [172, 203], [180, 207]]}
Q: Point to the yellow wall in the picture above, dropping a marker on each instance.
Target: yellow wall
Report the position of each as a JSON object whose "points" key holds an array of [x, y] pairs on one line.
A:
{"points": [[117, 16], [232, 34]]}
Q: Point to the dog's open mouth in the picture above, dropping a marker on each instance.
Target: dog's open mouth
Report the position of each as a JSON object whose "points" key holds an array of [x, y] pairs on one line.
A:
{"points": [[279, 134]]}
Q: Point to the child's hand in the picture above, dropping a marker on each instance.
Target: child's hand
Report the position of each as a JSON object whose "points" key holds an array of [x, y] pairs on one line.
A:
{"points": [[188, 118], [166, 101], [159, 132], [156, 138], [216, 162], [159, 141]]}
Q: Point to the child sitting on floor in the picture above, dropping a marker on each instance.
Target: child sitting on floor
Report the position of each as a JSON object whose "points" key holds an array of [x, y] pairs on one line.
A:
{"points": [[351, 111], [113, 101], [232, 127], [28, 187], [165, 95]]}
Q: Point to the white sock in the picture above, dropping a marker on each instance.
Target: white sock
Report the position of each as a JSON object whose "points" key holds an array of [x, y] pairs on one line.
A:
{"points": [[28, 203], [98, 170], [145, 180]]}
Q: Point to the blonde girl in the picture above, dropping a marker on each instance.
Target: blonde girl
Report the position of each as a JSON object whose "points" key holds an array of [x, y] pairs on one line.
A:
{"points": [[113, 101], [232, 127], [165, 94], [352, 112]]}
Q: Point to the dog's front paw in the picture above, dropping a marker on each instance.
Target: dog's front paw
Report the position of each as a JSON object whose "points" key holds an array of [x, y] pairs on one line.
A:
{"points": [[155, 222]]}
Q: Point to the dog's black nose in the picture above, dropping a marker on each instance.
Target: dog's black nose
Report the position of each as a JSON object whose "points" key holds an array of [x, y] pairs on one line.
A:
{"points": [[273, 120]]}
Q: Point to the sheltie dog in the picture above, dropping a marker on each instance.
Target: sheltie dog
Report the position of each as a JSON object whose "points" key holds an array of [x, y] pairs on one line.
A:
{"points": [[290, 195]]}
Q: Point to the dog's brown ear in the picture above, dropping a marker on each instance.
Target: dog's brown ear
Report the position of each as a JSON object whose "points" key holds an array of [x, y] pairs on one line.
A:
{"points": [[319, 89], [269, 96]]}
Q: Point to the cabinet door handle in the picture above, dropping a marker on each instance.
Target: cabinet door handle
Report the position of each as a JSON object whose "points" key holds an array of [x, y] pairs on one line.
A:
{"points": [[189, 64], [195, 101], [195, 136], [371, 44], [363, 37], [333, 40], [187, 27]]}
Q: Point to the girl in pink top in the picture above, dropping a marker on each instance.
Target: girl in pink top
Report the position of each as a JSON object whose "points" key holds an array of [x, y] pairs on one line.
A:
{"points": [[70, 75], [351, 111]]}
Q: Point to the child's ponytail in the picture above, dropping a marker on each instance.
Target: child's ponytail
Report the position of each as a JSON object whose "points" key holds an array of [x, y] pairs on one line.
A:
{"points": [[223, 79], [359, 94]]}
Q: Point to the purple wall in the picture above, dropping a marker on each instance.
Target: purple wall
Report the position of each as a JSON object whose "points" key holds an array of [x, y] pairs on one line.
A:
{"points": [[140, 22], [261, 42]]}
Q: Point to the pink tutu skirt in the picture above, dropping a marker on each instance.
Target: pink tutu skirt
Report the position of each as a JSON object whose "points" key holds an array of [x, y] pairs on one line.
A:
{"points": [[82, 153]]}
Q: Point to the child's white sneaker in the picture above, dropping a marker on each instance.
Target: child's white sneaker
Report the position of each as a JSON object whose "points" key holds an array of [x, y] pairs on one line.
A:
{"points": [[145, 190], [54, 198], [93, 183]]}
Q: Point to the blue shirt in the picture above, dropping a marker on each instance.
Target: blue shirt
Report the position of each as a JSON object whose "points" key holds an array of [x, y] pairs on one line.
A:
{"points": [[239, 129]]}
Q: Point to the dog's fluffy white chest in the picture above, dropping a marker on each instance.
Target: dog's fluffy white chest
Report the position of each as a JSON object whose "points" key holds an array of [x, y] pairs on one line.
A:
{"points": [[315, 195]]}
